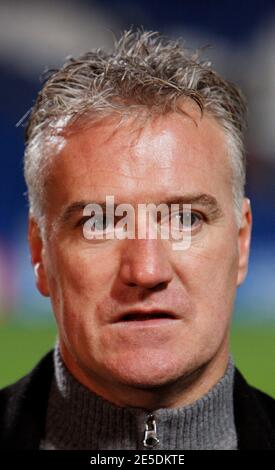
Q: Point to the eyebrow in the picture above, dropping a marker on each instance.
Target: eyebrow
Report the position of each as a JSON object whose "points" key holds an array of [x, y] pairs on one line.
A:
{"points": [[200, 199]]}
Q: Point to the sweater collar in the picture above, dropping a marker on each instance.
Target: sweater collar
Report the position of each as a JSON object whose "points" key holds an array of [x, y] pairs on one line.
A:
{"points": [[80, 419]]}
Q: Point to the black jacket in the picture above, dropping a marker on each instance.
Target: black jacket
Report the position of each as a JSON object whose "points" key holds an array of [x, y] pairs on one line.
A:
{"points": [[23, 408]]}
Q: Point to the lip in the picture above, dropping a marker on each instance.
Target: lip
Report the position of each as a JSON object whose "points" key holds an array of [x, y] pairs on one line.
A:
{"points": [[152, 316]]}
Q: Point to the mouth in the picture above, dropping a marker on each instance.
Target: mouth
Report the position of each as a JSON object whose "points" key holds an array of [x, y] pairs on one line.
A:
{"points": [[146, 316]]}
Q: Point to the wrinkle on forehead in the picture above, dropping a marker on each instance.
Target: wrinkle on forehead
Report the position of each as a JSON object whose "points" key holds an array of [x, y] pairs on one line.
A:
{"points": [[127, 158]]}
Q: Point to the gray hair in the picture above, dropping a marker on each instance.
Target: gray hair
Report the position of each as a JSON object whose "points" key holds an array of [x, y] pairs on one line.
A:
{"points": [[144, 69]]}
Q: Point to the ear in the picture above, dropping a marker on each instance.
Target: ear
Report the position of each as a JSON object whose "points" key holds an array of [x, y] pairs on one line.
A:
{"points": [[36, 249], [244, 238]]}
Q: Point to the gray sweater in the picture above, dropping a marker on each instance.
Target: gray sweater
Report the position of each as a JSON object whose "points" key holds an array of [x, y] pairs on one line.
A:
{"points": [[80, 419]]}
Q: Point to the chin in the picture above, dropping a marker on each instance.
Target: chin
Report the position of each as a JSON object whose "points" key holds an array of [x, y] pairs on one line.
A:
{"points": [[147, 374]]}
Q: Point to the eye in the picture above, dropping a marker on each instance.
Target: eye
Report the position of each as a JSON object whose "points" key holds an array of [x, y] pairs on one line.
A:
{"points": [[186, 219], [100, 223], [95, 223]]}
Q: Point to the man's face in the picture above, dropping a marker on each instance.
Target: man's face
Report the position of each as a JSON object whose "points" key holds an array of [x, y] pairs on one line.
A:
{"points": [[91, 284]]}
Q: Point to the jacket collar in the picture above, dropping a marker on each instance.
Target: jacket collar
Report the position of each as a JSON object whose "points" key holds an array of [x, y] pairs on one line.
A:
{"points": [[252, 410]]}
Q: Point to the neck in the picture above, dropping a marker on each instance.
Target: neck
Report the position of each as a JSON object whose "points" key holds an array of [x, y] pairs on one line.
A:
{"points": [[183, 391]]}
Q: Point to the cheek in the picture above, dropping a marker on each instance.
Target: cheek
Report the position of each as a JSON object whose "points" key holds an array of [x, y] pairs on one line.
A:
{"points": [[209, 274], [78, 282], [210, 283], [77, 278]]}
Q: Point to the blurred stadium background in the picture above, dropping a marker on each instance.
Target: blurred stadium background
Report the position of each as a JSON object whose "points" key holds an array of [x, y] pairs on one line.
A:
{"points": [[35, 35]]}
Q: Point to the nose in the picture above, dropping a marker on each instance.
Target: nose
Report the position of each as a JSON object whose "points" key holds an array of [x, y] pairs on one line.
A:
{"points": [[145, 263]]}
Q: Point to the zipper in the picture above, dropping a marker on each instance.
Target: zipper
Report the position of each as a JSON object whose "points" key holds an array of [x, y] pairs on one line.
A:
{"points": [[150, 434]]}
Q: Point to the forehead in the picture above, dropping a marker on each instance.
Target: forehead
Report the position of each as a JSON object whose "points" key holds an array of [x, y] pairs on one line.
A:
{"points": [[141, 158]]}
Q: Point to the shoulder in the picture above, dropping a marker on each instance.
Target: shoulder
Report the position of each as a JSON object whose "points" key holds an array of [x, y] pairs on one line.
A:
{"points": [[254, 395], [267, 402], [254, 413], [23, 406]]}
